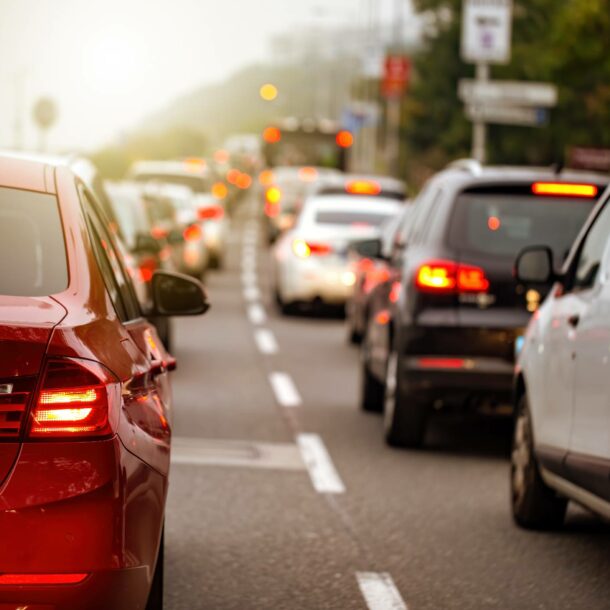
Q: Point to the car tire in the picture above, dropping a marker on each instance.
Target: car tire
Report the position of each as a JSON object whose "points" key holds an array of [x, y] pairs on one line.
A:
{"points": [[285, 308], [534, 504], [405, 416], [371, 389], [155, 597]]}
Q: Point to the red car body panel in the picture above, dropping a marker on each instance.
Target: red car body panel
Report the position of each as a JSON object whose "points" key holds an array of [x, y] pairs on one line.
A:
{"points": [[88, 506]]}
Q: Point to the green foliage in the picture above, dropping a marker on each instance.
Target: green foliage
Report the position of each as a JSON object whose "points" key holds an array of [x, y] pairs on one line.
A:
{"points": [[566, 43]]}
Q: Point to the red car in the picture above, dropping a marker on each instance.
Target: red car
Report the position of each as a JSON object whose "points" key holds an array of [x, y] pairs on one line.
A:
{"points": [[85, 406]]}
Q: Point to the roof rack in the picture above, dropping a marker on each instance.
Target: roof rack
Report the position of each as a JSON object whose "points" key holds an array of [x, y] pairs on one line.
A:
{"points": [[468, 165]]}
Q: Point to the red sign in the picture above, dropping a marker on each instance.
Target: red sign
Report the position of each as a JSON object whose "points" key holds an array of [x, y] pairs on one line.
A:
{"points": [[396, 75]]}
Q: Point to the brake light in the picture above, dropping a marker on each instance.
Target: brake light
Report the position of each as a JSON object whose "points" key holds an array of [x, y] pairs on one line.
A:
{"points": [[41, 579], [563, 189], [363, 187], [159, 232], [76, 399], [147, 267], [395, 292], [305, 249], [265, 178], [344, 139], [244, 181], [213, 212], [442, 363], [233, 176], [272, 135], [192, 233], [448, 277], [220, 190]]}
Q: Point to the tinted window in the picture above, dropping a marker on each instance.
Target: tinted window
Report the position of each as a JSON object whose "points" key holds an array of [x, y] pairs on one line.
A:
{"points": [[590, 256], [501, 225], [332, 217], [32, 249]]}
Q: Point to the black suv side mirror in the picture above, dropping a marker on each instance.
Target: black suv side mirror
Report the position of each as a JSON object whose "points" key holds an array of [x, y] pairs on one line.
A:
{"points": [[535, 265], [369, 248], [146, 244], [175, 294]]}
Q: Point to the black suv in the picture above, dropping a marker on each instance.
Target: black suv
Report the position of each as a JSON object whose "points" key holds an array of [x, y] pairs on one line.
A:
{"points": [[442, 331]]}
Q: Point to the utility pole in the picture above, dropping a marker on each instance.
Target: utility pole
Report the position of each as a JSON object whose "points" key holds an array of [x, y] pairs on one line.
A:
{"points": [[479, 127], [394, 102]]}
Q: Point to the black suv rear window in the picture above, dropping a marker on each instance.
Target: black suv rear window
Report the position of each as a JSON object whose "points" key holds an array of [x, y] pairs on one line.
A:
{"points": [[501, 225], [32, 248]]}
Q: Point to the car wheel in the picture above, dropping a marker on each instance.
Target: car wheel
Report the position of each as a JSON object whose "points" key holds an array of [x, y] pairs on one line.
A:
{"points": [[534, 504], [155, 597], [371, 389], [285, 308], [405, 417]]}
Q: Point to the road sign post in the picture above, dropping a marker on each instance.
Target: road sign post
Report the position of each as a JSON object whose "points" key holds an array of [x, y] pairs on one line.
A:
{"points": [[486, 39]]}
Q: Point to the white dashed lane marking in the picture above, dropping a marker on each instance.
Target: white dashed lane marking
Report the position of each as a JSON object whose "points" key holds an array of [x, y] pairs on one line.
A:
{"points": [[252, 293], [265, 341], [256, 314], [324, 477], [379, 591], [285, 391]]}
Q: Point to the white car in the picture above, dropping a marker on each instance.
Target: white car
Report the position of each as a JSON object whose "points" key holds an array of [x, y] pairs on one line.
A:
{"points": [[310, 262], [196, 174], [561, 446]]}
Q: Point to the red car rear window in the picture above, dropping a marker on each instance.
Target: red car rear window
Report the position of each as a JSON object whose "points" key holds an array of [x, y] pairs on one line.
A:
{"points": [[32, 247]]}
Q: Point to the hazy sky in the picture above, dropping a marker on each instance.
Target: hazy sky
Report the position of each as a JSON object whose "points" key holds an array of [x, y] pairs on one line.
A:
{"points": [[109, 63]]}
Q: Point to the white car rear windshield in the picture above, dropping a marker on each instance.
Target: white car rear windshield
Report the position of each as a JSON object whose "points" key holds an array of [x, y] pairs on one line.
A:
{"points": [[347, 218], [32, 248]]}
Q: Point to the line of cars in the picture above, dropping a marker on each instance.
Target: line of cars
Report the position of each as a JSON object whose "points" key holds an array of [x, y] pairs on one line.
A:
{"points": [[85, 395], [445, 317]]}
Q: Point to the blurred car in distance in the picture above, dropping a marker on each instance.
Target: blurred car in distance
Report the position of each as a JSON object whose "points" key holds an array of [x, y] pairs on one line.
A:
{"points": [[285, 191], [372, 267], [310, 263], [85, 417], [187, 233], [561, 446], [442, 333], [145, 250], [198, 176]]}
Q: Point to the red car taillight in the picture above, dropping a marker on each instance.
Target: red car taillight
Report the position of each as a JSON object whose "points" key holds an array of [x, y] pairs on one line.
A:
{"points": [[448, 277], [213, 212], [14, 398], [192, 233], [147, 267], [305, 249], [76, 399]]}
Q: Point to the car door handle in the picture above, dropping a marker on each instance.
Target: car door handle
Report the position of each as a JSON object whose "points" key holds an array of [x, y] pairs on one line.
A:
{"points": [[573, 320]]}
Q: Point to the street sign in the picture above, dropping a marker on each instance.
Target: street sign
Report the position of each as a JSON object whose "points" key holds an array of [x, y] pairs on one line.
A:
{"points": [[486, 31], [507, 115], [45, 112], [397, 72], [518, 93]]}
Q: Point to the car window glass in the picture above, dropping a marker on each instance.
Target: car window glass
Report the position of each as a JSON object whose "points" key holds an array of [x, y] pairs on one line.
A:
{"points": [[592, 251], [127, 305], [419, 211], [32, 249]]}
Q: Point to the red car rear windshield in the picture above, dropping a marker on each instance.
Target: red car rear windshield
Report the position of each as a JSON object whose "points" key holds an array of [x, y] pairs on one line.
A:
{"points": [[32, 248], [502, 224]]}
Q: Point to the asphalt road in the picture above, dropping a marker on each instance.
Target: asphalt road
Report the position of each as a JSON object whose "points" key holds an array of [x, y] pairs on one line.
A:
{"points": [[304, 507]]}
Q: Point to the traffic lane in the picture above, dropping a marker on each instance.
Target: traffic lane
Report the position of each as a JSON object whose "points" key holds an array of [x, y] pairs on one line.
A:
{"points": [[440, 515], [240, 538], [220, 385]]}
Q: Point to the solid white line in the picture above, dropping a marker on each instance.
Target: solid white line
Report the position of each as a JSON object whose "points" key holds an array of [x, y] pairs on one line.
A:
{"points": [[265, 341], [322, 472], [285, 391], [256, 314], [252, 293], [379, 591]]}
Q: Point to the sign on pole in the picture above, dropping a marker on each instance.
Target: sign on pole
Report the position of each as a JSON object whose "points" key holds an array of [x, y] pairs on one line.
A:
{"points": [[396, 76], [486, 31], [507, 115], [507, 93]]}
